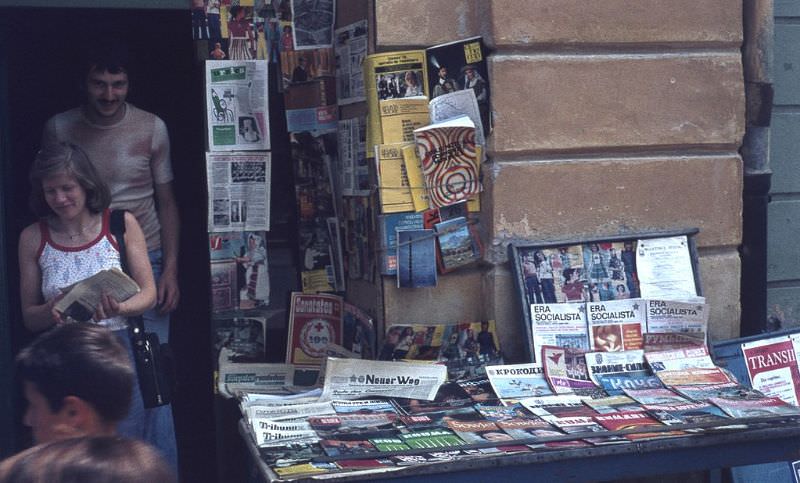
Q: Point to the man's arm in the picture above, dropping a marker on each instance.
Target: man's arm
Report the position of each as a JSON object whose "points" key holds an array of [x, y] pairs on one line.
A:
{"points": [[168, 290]]}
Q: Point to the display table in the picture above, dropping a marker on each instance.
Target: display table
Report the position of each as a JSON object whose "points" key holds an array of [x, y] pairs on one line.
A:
{"points": [[767, 440]]}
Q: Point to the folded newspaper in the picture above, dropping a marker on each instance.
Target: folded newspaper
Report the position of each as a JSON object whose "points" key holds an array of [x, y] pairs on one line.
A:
{"points": [[81, 299]]}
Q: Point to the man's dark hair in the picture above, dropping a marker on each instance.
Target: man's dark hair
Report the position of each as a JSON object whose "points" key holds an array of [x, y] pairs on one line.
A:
{"points": [[82, 360], [106, 55]]}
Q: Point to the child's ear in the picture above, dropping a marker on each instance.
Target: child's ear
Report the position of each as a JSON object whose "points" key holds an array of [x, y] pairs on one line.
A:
{"points": [[78, 414]]}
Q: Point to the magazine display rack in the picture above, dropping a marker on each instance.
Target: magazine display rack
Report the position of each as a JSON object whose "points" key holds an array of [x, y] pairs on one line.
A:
{"points": [[587, 270]]}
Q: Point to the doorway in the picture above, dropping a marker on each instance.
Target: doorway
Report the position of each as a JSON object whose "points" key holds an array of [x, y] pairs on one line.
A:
{"points": [[39, 65]]}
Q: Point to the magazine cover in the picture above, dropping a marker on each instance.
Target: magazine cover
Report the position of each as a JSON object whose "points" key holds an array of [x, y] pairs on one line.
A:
{"points": [[301, 66], [311, 105], [239, 187], [701, 393], [625, 363], [401, 116], [611, 270], [633, 420], [532, 428], [353, 157], [313, 23], [391, 75], [562, 325], [457, 66], [494, 412], [478, 431], [431, 438], [772, 368], [313, 158], [414, 342], [243, 337], [691, 413], [655, 396], [224, 291], [416, 259], [450, 162], [613, 404], [239, 270], [339, 447], [351, 49], [616, 325], [479, 389], [754, 408], [469, 347], [615, 385], [554, 274], [358, 332], [668, 316], [237, 105], [566, 371], [514, 382], [393, 184], [388, 226], [458, 245], [314, 322]]}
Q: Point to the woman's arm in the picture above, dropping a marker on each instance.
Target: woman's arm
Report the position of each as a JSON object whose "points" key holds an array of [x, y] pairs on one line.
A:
{"points": [[37, 314], [140, 271]]}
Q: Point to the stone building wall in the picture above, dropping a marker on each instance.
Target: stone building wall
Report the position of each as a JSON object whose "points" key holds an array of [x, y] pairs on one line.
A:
{"points": [[610, 117]]}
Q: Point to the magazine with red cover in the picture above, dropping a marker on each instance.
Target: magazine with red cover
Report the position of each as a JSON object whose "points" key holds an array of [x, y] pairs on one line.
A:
{"points": [[632, 420], [772, 368], [315, 321], [534, 428]]}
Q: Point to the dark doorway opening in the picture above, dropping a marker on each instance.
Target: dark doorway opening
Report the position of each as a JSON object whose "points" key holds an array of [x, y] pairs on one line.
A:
{"points": [[40, 53]]}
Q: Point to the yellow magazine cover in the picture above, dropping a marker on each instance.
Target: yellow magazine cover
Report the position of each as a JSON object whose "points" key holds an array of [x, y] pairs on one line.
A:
{"points": [[391, 75], [393, 184], [399, 118]]}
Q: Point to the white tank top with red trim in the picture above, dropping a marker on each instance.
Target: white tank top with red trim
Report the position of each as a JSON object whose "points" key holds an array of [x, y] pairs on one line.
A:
{"points": [[62, 266]]}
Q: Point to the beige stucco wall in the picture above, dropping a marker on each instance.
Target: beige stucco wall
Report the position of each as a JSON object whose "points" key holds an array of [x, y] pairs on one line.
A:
{"points": [[609, 117]]}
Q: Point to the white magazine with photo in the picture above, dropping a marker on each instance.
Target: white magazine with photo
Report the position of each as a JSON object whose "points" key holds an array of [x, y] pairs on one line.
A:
{"points": [[518, 381], [670, 316], [562, 325]]}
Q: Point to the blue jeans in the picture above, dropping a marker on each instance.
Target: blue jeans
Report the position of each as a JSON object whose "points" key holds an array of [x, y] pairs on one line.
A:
{"points": [[153, 321], [154, 425]]}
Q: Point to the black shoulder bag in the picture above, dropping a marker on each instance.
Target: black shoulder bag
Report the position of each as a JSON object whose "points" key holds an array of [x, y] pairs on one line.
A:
{"points": [[152, 359]]}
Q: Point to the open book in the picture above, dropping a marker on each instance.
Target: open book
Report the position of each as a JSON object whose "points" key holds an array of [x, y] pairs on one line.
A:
{"points": [[82, 298]]}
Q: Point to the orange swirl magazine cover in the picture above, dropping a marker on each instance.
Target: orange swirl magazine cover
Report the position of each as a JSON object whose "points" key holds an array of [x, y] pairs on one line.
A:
{"points": [[450, 160]]}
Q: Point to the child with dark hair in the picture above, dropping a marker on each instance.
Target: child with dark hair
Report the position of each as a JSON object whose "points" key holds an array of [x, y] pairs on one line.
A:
{"points": [[78, 380]]}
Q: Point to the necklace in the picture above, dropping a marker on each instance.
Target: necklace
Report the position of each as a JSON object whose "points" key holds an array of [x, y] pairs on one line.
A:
{"points": [[82, 231]]}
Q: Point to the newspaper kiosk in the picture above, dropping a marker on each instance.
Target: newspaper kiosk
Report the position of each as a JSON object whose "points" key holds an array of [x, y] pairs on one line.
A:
{"points": [[731, 440]]}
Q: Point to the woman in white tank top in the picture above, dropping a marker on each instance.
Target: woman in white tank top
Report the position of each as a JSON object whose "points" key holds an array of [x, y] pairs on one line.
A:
{"points": [[72, 241]]}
